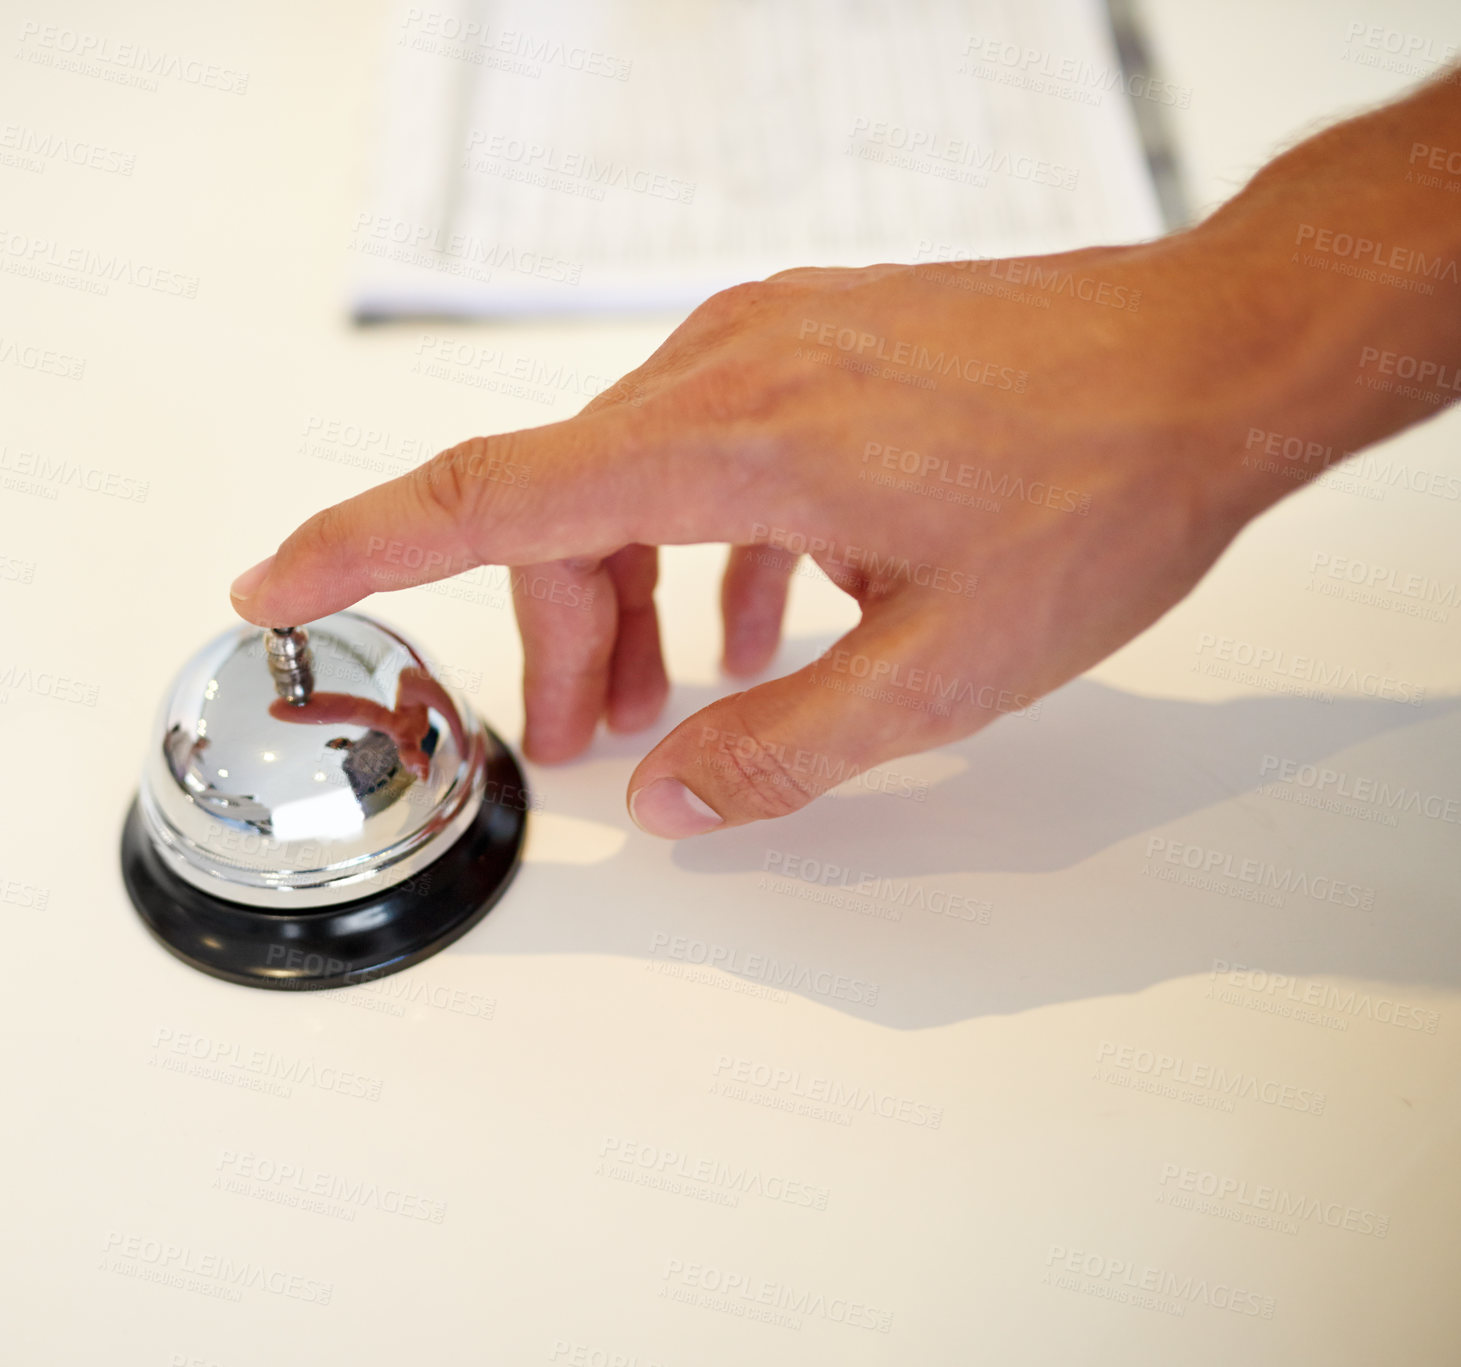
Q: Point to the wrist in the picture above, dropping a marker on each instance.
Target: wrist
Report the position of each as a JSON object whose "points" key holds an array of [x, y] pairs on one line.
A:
{"points": [[1338, 282], [1291, 401]]}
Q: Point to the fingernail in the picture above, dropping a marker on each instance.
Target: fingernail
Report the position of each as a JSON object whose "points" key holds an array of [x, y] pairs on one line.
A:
{"points": [[666, 807], [249, 580]]}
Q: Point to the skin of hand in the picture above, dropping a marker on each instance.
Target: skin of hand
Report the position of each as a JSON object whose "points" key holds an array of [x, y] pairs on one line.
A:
{"points": [[1011, 472], [407, 723]]}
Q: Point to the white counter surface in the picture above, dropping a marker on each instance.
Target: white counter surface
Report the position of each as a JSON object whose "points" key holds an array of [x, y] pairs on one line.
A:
{"points": [[1060, 1126]]}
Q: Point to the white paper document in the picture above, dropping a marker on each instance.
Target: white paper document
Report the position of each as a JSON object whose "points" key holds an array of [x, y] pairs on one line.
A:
{"points": [[580, 157]]}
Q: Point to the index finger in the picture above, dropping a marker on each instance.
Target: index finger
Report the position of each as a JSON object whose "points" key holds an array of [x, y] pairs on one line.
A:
{"points": [[581, 487]]}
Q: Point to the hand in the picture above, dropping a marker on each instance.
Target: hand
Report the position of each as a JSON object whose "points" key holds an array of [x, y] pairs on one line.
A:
{"points": [[1010, 491], [1014, 467]]}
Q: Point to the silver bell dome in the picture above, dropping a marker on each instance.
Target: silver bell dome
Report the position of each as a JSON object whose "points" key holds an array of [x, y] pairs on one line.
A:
{"points": [[299, 769]]}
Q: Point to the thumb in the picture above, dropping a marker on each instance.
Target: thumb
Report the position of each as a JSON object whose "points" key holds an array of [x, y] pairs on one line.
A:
{"points": [[582, 487], [771, 750]]}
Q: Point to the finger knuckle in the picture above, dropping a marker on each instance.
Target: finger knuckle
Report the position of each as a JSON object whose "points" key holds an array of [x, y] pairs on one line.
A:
{"points": [[742, 297], [739, 301], [450, 486], [757, 779], [318, 537]]}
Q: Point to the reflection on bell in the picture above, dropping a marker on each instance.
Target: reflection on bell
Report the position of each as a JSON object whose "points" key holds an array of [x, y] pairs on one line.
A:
{"points": [[317, 809]]}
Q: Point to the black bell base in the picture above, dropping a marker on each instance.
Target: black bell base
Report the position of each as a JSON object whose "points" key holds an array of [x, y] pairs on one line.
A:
{"points": [[352, 942]]}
